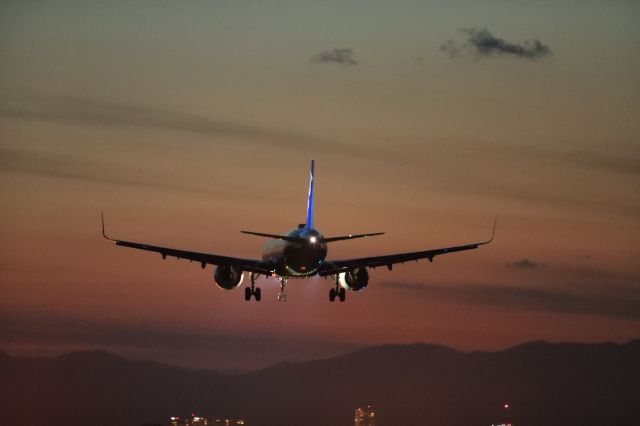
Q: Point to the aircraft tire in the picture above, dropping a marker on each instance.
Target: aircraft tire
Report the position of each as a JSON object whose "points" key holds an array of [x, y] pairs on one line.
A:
{"points": [[247, 294], [257, 294], [342, 294], [332, 295]]}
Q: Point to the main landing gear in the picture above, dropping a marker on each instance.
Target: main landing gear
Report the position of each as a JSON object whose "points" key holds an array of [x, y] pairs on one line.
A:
{"points": [[282, 296], [337, 291], [253, 290]]}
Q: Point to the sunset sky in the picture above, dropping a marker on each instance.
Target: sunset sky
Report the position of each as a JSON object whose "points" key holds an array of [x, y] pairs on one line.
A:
{"points": [[186, 122]]}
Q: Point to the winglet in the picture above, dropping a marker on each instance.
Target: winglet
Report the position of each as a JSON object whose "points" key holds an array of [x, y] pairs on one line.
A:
{"points": [[309, 223], [493, 232], [103, 232]]}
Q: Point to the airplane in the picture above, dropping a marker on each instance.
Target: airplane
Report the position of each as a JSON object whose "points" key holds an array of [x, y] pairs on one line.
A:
{"points": [[299, 253]]}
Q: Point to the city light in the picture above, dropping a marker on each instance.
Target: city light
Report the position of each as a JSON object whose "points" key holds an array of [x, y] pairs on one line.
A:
{"points": [[365, 417], [199, 420]]}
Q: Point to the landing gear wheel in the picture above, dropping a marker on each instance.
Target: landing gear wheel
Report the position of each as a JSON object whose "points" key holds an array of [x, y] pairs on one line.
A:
{"points": [[342, 294], [253, 290], [332, 295]]}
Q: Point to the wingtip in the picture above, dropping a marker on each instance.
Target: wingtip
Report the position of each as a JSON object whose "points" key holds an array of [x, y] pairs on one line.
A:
{"points": [[104, 234], [493, 231]]}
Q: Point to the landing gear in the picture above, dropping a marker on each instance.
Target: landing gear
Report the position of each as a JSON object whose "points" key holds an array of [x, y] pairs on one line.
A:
{"points": [[253, 290], [337, 291], [282, 296]]}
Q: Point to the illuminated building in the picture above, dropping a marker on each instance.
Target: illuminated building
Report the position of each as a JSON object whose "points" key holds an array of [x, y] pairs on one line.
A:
{"points": [[365, 417]]}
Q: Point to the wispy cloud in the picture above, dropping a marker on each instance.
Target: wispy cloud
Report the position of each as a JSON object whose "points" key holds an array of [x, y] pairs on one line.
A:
{"points": [[523, 264], [619, 163], [482, 43], [618, 160], [50, 165], [530, 299], [74, 110], [344, 56]]}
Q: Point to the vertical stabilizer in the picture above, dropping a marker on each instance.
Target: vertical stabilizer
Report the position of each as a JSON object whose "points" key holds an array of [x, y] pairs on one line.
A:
{"points": [[309, 223]]}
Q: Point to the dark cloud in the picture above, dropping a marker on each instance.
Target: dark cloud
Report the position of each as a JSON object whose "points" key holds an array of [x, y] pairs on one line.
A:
{"points": [[531, 299], [481, 43], [523, 264], [343, 56]]}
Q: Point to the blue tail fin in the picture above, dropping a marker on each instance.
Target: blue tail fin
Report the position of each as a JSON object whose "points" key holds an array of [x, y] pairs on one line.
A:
{"points": [[309, 223]]}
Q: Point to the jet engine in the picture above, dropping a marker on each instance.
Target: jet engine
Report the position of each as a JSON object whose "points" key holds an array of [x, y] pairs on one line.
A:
{"points": [[354, 280], [228, 277]]}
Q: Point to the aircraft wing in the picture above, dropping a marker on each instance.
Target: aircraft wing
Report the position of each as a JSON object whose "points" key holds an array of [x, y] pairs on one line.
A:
{"points": [[332, 267], [250, 265]]}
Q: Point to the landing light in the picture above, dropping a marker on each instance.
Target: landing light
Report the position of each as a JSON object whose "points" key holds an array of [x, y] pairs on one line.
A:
{"points": [[313, 240]]}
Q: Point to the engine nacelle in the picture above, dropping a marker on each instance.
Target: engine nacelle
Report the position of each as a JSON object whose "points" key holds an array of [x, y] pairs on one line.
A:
{"points": [[228, 277], [354, 280]]}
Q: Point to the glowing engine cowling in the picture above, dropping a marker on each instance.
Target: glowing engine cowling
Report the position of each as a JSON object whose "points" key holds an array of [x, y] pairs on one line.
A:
{"points": [[228, 277], [354, 280]]}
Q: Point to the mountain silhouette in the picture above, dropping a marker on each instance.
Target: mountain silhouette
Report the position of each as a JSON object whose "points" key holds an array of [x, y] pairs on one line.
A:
{"points": [[419, 384]]}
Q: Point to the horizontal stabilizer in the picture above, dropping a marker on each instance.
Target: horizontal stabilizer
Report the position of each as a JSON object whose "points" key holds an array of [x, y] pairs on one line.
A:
{"points": [[351, 237], [276, 237]]}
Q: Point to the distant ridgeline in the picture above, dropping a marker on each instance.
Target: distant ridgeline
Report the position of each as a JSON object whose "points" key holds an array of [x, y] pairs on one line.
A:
{"points": [[544, 383]]}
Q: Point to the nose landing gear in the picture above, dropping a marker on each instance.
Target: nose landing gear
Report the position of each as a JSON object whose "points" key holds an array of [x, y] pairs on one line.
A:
{"points": [[253, 290], [282, 296]]}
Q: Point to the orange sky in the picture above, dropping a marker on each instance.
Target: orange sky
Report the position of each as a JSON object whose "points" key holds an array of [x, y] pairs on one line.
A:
{"points": [[186, 125]]}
